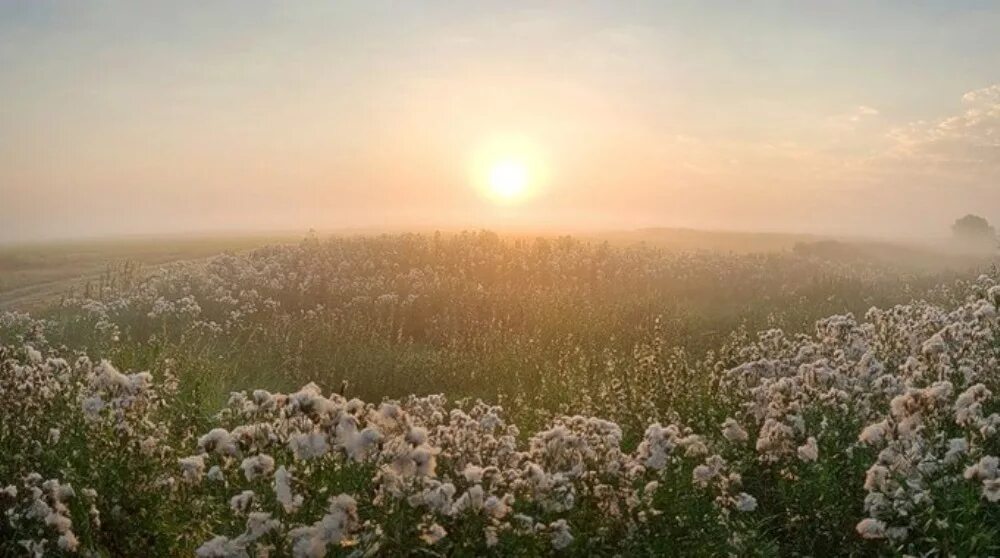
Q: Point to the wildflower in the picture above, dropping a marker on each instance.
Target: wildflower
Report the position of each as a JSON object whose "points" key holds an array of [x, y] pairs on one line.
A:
{"points": [[809, 451], [68, 542], [473, 474], [257, 466], [262, 398], [993, 293], [92, 406], [745, 502], [312, 541], [433, 533], [956, 448], [221, 547], [991, 489], [259, 524], [985, 469], [706, 472], [107, 378], [694, 445], [417, 435], [472, 500], [34, 355], [491, 536], [732, 431], [241, 501], [657, 445], [283, 490], [934, 346], [308, 446], [774, 440], [874, 434], [870, 528], [218, 440], [498, 507], [215, 474], [192, 467], [356, 444], [897, 533], [876, 478], [559, 534], [703, 474], [424, 460], [968, 404]]}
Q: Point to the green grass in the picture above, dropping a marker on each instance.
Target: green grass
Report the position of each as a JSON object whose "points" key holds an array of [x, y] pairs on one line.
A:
{"points": [[547, 328]]}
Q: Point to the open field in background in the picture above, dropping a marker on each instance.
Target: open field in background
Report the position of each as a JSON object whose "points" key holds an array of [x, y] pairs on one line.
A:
{"points": [[385, 311], [33, 274]]}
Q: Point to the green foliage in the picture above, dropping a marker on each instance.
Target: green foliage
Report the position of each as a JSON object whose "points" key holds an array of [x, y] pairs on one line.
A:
{"points": [[548, 329]]}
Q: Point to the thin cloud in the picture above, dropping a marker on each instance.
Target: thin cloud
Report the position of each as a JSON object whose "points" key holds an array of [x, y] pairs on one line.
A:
{"points": [[969, 140]]}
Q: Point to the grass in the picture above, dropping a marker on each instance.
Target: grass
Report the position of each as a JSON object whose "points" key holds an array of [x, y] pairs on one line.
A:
{"points": [[32, 275], [556, 330]]}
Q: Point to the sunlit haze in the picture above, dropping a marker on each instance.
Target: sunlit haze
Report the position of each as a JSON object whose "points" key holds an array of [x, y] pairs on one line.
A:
{"points": [[508, 179], [848, 118], [570, 279]]}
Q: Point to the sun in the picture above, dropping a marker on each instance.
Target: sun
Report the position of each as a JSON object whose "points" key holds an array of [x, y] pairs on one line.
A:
{"points": [[508, 179], [509, 169]]}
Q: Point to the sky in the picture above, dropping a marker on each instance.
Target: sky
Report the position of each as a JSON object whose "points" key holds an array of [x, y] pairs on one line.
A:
{"points": [[873, 118]]}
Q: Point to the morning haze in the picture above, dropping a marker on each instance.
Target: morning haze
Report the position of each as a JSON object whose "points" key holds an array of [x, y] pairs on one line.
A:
{"points": [[351, 279], [846, 118]]}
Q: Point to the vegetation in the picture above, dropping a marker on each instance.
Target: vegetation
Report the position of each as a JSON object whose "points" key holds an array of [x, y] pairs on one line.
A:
{"points": [[475, 395], [32, 274], [975, 232]]}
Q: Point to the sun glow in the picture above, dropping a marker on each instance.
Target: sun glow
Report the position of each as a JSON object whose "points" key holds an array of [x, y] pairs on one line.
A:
{"points": [[509, 170], [508, 179]]}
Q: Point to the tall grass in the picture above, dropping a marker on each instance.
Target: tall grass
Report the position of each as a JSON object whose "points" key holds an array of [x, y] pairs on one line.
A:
{"points": [[598, 400]]}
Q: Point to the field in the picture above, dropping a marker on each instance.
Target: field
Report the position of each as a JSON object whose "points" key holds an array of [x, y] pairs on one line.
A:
{"points": [[32, 274], [650, 393]]}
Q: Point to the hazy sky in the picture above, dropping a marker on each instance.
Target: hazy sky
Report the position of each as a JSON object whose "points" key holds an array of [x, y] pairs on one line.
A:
{"points": [[132, 117]]}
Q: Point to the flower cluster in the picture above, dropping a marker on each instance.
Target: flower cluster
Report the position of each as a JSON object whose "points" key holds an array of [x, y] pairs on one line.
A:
{"points": [[874, 433]]}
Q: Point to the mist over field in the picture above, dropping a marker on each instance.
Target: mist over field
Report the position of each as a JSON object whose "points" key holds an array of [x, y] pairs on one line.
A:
{"points": [[363, 279]]}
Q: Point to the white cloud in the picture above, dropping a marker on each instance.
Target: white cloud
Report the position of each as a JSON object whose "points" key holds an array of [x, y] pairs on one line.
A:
{"points": [[862, 112], [968, 141], [851, 119]]}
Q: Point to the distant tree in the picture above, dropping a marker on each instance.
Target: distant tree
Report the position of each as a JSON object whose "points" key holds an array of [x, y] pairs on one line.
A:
{"points": [[974, 231]]}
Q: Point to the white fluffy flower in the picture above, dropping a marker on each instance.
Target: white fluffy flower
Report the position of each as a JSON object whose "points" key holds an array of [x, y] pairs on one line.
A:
{"points": [[215, 474], [312, 541], [218, 440], [991, 489], [283, 490], [309, 446], [732, 431], [221, 547], [559, 534], [192, 467], [809, 451], [745, 502], [241, 501], [871, 528], [432, 533], [257, 466], [874, 434]]}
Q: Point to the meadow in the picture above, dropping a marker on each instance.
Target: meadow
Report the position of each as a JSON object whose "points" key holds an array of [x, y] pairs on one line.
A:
{"points": [[33, 273], [475, 394]]}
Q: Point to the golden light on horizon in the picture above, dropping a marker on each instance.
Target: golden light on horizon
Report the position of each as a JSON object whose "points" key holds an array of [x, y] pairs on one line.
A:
{"points": [[509, 169]]}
